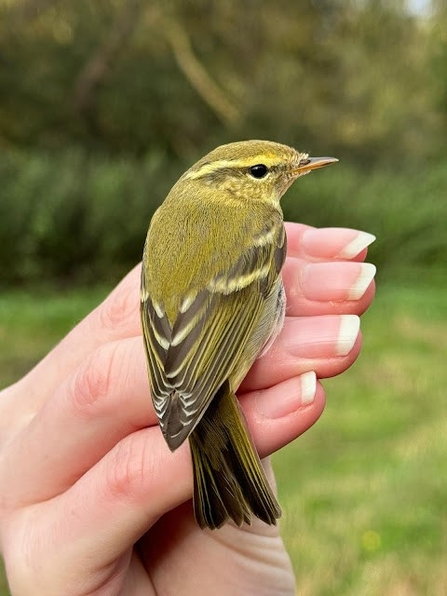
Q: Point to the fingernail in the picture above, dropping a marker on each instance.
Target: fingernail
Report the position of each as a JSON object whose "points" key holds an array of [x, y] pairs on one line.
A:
{"points": [[355, 247], [347, 334], [293, 397], [367, 273], [323, 282], [312, 337], [308, 387], [343, 243]]}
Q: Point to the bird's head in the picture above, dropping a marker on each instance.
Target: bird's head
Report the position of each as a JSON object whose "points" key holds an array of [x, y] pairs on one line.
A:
{"points": [[260, 170]]}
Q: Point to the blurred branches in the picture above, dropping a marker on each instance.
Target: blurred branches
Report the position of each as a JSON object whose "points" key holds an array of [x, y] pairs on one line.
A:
{"points": [[363, 78], [197, 74], [101, 62]]}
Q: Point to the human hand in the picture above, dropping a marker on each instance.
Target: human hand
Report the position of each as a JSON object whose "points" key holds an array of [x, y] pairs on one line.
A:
{"points": [[93, 502]]}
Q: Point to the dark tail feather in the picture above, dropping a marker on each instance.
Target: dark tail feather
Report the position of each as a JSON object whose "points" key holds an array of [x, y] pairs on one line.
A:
{"points": [[229, 481]]}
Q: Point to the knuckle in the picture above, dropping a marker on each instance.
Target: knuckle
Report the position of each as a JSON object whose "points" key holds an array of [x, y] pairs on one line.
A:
{"points": [[128, 471], [94, 379], [120, 308]]}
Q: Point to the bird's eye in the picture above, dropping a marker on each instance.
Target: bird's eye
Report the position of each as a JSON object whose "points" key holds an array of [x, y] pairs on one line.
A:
{"points": [[258, 171]]}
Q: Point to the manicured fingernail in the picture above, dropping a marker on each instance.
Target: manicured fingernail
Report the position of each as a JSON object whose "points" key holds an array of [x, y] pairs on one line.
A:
{"points": [[347, 334], [336, 281], [367, 273], [353, 248], [343, 243], [290, 396], [308, 387], [312, 337]]}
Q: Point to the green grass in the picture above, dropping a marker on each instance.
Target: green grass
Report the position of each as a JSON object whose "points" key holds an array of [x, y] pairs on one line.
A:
{"points": [[35, 319], [364, 491]]}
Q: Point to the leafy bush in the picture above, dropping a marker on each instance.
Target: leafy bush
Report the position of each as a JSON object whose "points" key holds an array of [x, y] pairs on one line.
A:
{"points": [[74, 215], [82, 217]]}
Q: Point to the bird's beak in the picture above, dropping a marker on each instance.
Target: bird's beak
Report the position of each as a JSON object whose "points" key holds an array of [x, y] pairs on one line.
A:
{"points": [[313, 163]]}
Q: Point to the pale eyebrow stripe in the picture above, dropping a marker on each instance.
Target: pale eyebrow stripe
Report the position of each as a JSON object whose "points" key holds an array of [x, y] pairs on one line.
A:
{"points": [[208, 168], [221, 164]]}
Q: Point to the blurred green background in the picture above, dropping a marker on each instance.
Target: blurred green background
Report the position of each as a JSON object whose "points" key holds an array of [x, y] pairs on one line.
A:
{"points": [[103, 104]]}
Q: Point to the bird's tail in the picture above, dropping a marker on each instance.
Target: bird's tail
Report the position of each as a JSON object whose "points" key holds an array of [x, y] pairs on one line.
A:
{"points": [[229, 481]]}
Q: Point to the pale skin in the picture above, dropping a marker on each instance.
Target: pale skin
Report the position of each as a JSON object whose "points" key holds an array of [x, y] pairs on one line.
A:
{"points": [[92, 502]]}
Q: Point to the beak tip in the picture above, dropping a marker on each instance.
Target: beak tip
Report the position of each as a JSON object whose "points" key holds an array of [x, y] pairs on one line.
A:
{"points": [[322, 161], [314, 163]]}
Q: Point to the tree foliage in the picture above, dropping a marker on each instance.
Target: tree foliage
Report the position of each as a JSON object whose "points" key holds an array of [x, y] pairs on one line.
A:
{"points": [[103, 104], [357, 77]]}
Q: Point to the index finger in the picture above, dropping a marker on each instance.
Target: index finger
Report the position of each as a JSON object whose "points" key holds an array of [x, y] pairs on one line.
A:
{"points": [[342, 244], [117, 317]]}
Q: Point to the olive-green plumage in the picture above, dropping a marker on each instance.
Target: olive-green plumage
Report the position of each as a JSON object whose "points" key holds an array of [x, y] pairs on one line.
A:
{"points": [[212, 299]]}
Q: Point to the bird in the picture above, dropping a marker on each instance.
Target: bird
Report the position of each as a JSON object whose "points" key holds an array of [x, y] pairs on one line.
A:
{"points": [[212, 301]]}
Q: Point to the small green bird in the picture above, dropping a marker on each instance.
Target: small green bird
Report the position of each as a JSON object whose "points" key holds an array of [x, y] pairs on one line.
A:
{"points": [[212, 300]]}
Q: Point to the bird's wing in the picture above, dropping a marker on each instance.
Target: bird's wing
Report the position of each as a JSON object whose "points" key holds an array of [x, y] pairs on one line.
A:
{"points": [[189, 360]]}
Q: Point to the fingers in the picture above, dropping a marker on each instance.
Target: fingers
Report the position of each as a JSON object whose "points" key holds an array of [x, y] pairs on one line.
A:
{"points": [[104, 400], [99, 519], [328, 288], [140, 479], [311, 291], [107, 398], [280, 414], [325, 273], [128, 490], [327, 345], [106, 394]]}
